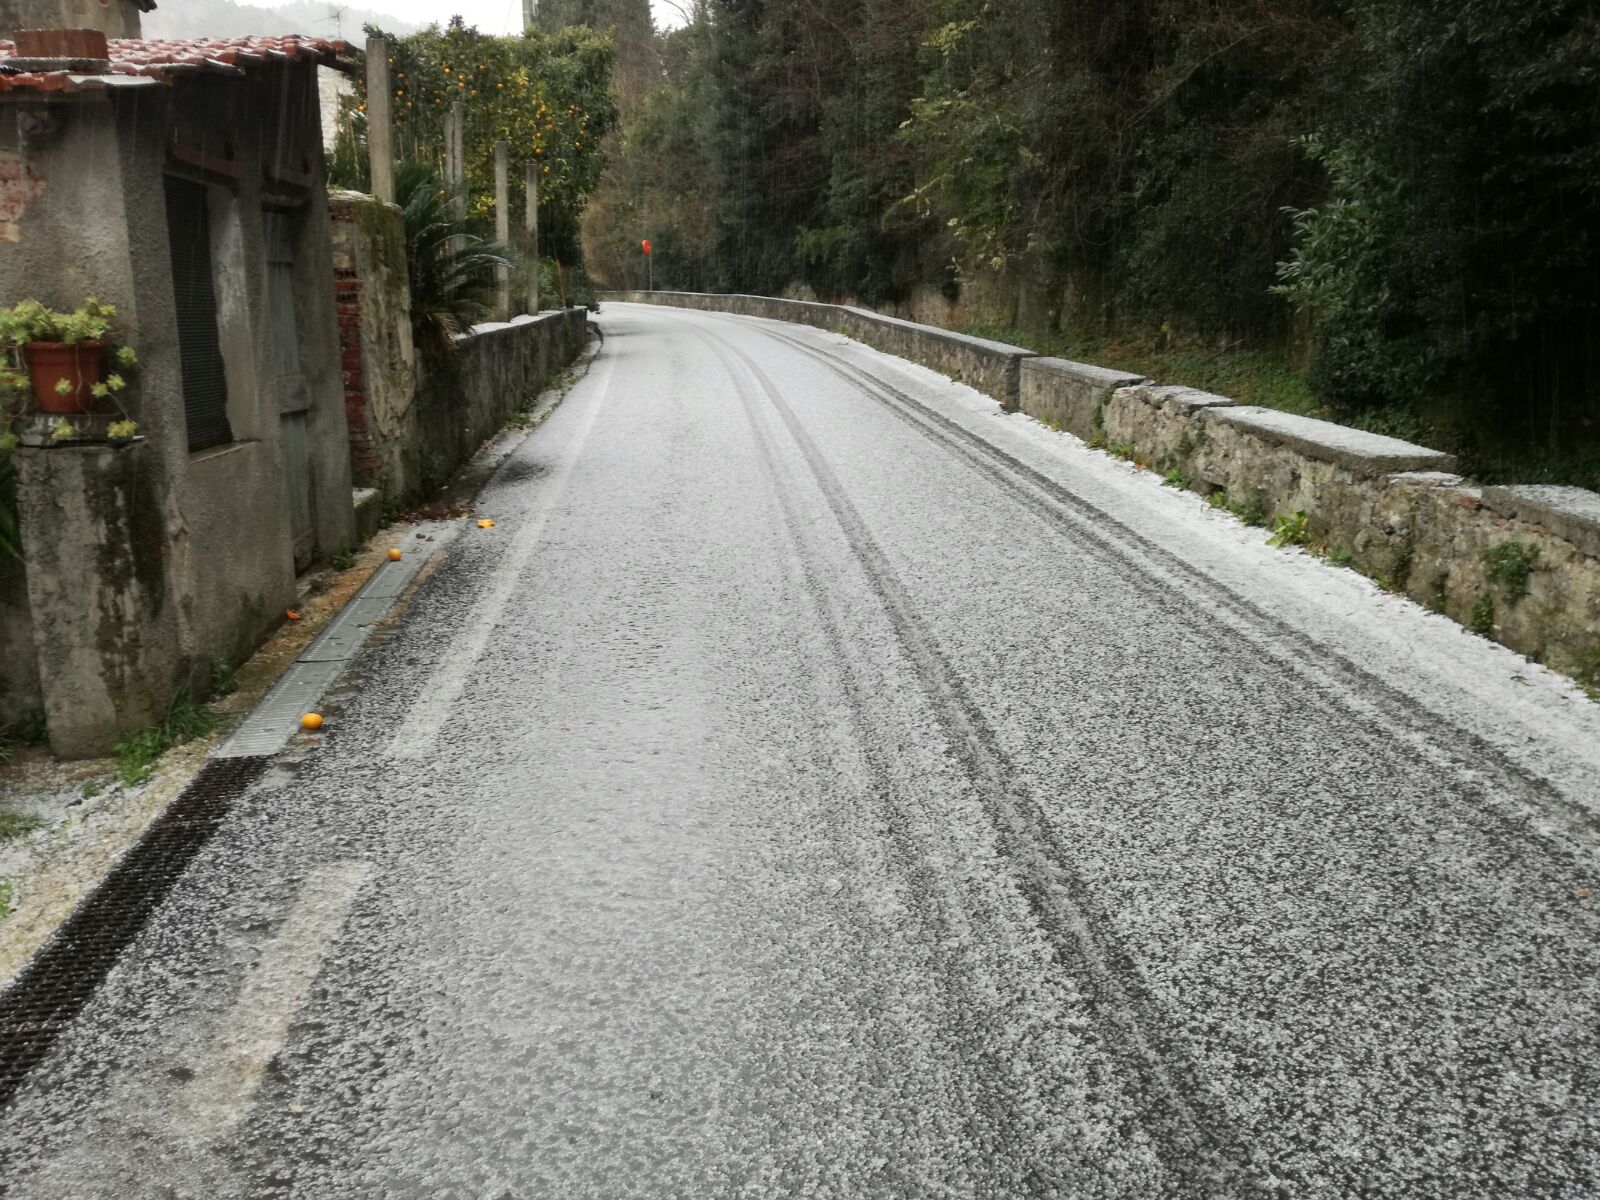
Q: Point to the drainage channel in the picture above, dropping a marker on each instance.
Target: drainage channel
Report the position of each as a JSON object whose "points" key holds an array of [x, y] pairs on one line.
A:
{"points": [[276, 718], [62, 977], [55, 986]]}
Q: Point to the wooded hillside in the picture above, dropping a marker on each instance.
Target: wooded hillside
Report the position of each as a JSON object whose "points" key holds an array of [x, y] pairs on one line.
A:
{"points": [[1401, 197]]}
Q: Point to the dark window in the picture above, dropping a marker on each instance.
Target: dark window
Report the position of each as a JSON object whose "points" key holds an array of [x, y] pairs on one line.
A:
{"points": [[205, 389]]}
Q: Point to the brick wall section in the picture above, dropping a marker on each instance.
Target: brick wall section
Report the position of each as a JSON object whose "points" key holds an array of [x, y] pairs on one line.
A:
{"points": [[364, 466]]}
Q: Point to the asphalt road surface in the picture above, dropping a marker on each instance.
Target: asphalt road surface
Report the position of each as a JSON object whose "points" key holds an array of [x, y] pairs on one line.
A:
{"points": [[822, 784]]}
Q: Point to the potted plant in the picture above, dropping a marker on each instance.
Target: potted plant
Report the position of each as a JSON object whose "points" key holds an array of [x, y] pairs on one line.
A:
{"points": [[64, 353]]}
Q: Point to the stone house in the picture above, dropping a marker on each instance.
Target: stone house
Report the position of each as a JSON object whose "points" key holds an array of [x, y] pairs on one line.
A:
{"points": [[183, 183]]}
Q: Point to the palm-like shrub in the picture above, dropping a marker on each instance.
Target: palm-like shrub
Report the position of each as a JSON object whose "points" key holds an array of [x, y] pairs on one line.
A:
{"points": [[452, 266]]}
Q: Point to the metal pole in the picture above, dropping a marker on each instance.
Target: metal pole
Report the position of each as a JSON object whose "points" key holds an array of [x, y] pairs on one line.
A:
{"points": [[380, 119]]}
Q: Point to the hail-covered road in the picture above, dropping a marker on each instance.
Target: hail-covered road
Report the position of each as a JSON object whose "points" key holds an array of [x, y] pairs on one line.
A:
{"points": [[821, 784]]}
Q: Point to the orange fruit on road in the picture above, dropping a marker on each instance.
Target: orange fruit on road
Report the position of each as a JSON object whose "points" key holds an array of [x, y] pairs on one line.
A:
{"points": [[312, 721], [485, 523], [394, 555]]}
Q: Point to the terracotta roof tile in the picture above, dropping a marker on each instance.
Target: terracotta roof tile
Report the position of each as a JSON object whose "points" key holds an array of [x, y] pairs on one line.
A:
{"points": [[158, 60]]}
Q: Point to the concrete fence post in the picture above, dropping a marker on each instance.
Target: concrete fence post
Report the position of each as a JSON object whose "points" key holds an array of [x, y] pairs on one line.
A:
{"points": [[502, 224], [455, 158], [380, 119], [530, 224]]}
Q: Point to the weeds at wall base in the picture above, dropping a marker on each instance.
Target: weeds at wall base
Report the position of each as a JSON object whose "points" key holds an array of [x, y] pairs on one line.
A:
{"points": [[1481, 619], [185, 720]]}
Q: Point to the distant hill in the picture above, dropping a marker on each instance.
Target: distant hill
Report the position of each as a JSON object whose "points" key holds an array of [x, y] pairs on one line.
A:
{"points": [[225, 18]]}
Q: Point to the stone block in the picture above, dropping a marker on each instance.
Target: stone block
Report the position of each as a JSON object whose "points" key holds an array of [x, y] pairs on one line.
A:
{"points": [[1572, 513], [1357, 451], [369, 512], [1069, 395]]}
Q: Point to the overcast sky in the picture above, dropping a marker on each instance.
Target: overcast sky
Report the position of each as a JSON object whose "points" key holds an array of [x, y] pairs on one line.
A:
{"points": [[491, 16]]}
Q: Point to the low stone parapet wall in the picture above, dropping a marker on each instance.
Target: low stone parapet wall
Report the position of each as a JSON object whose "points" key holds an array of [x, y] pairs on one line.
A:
{"points": [[993, 368], [503, 365], [1519, 564], [1070, 395]]}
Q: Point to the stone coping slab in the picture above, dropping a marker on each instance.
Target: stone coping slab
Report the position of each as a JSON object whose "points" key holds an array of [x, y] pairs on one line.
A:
{"points": [[944, 335], [1104, 377], [1186, 399], [1354, 449], [1572, 513]]}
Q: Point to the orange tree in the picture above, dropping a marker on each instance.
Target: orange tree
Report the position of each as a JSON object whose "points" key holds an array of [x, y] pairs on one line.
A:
{"points": [[549, 96]]}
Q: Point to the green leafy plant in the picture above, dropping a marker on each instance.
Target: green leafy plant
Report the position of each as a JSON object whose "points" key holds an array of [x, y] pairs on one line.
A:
{"points": [[1340, 556], [122, 431], [344, 559], [1174, 477], [1290, 529], [62, 430], [30, 321], [451, 267], [1217, 499], [1509, 566], [1481, 619]]}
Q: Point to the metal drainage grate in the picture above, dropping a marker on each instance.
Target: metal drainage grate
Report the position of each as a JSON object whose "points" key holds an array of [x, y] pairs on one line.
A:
{"points": [[65, 973]]}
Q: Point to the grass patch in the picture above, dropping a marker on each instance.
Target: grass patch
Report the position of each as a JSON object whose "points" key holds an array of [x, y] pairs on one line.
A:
{"points": [[138, 752], [1175, 478], [223, 681], [14, 825], [1249, 511]]}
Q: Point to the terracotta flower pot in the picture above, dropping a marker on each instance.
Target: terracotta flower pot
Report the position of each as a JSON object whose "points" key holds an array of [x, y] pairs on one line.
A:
{"points": [[76, 362]]}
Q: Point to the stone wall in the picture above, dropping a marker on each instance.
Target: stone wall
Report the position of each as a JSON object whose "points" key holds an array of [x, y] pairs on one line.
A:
{"points": [[496, 370], [991, 367], [503, 366], [1518, 564], [378, 357]]}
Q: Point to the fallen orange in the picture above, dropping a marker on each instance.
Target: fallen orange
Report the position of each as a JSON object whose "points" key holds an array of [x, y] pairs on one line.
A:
{"points": [[312, 721], [291, 614], [394, 555], [485, 523]]}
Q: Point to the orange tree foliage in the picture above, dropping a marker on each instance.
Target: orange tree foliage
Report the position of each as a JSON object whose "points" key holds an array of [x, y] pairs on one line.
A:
{"points": [[549, 96]]}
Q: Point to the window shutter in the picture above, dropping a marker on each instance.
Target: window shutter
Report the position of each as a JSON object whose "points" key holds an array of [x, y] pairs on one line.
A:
{"points": [[205, 391]]}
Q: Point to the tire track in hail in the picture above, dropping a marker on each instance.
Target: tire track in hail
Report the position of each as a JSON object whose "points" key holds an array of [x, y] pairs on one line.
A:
{"points": [[1292, 648], [1192, 1133], [993, 1125]]}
